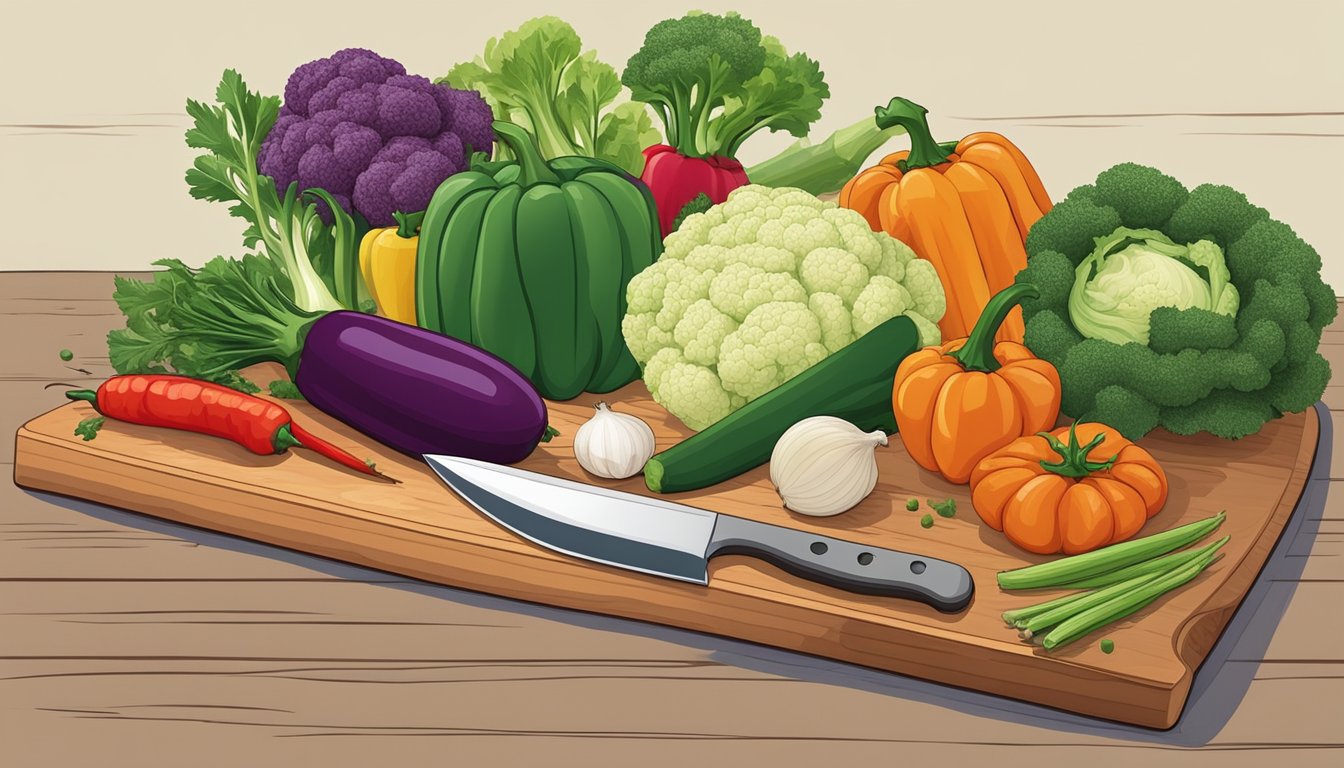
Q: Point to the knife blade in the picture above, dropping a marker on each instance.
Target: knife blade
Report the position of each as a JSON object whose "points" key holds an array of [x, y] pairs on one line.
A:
{"points": [[677, 541]]}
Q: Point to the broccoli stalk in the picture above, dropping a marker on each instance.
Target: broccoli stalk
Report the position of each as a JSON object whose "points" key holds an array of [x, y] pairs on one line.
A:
{"points": [[826, 166]]}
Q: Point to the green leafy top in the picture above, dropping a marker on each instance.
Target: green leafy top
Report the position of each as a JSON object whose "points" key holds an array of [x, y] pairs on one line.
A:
{"points": [[286, 228], [231, 131], [209, 322], [539, 77], [714, 81]]}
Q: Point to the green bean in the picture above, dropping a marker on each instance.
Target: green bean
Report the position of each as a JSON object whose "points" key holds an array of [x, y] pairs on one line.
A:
{"points": [[1092, 598], [1156, 565], [1114, 557], [1017, 617], [1118, 608]]}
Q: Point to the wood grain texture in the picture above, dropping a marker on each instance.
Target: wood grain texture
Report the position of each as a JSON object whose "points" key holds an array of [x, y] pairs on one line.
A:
{"points": [[418, 529], [266, 656]]}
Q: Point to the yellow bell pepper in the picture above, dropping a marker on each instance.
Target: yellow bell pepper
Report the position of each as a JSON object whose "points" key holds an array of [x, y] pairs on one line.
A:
{"points": [[387, 262]]}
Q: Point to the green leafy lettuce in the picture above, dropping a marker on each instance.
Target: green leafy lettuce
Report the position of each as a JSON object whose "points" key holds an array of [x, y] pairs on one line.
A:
{"points": [[539, 77]]}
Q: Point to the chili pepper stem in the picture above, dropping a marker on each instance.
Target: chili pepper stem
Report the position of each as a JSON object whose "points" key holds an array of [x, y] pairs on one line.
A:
{"points": [[87, 395], [977, 354]]}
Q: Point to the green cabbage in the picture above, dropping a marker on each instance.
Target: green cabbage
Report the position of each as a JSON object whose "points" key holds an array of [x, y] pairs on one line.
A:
{"points": [[1131, 272]]}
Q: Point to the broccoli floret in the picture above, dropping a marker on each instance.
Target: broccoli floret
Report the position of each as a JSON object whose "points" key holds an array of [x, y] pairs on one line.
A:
{"points": [[1050, 336], [1213, 211], [699, 204], [1227, 413], [1071, 228], [1200, 370], [1052, 274], [1124, 410], [1171, 330], [1297, 387], [714, 81], [376, 139], [1143, 197]]}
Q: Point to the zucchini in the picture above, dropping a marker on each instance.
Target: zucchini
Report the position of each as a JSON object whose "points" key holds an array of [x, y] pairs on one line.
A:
{"points": [[853, 384]]}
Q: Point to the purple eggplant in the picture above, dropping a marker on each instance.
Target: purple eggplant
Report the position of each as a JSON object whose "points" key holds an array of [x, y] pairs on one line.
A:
{"points": [[418, 391]]}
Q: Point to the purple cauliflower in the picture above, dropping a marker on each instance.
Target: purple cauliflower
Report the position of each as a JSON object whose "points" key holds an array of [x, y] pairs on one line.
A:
{"points": [[375, 138]]}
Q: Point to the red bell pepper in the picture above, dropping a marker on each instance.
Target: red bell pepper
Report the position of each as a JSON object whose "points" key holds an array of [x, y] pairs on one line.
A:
{"points": [[675, 179]]}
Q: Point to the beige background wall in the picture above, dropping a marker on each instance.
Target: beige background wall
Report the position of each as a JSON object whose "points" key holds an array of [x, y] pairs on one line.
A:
{"points": [[91, 95]]}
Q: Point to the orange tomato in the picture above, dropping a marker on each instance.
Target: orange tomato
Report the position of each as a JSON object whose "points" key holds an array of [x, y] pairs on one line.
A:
{"points": [[1049, 496]]}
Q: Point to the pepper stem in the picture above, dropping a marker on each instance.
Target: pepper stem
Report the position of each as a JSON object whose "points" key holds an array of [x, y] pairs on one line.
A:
{"points": [[532, 168], [87, 395], [284, 440], [1073, 457], [924, 151], [977, 354], [408, 224]]}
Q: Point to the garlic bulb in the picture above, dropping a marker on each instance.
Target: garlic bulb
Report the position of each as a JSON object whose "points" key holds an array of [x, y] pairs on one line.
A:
{"points": [[612, 444], [823, 465]]}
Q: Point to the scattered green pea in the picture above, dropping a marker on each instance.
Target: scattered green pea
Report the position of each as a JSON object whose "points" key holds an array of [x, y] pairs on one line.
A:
{"points": [[1107, 645], [912, 505], [67, 355], [926, 521]]}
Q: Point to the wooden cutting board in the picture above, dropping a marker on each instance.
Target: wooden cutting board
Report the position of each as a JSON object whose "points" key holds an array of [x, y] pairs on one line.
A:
{"points": [[419, 528]]}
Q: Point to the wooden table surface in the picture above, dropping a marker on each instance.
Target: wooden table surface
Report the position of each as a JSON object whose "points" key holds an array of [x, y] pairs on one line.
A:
{"points": [[128, 641]]}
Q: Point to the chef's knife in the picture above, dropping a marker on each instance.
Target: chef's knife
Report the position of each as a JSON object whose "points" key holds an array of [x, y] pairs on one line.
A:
{"points": [[676, 541]]}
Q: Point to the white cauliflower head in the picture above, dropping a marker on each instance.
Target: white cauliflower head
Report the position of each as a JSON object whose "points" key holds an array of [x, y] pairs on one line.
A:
{"points": [[756, 290]]}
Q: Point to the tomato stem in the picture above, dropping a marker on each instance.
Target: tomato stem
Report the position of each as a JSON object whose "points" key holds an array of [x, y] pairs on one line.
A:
{"points": [[1073, 457], [977, 354]]}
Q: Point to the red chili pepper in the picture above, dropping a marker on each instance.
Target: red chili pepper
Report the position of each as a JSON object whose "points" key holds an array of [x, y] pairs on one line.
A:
{"points": [[675, 180], [193, 405]]}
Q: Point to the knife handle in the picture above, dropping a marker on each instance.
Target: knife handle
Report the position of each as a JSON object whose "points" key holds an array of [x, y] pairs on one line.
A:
{"points": [[845, 564]]}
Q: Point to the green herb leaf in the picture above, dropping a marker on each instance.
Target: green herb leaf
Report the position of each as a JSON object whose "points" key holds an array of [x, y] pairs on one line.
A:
{"points": [[284, 388], [945, 508], [207, 323], [88, 428]]}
